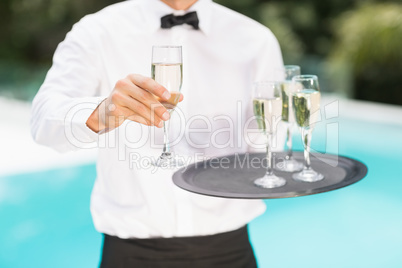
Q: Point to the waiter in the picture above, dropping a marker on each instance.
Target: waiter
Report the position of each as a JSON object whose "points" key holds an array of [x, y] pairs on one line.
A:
{"points": [[98, 93]]}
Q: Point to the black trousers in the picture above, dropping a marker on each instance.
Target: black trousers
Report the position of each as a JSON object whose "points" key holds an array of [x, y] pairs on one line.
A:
{"points": [[231, 249]]}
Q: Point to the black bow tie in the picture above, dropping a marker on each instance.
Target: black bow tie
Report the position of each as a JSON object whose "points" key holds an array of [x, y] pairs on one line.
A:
{"points": [[171, 20]]}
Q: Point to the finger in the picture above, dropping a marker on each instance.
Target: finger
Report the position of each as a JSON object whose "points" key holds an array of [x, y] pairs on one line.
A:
{"points": [[129, 89], [149, 85], [138, 108], [150, 101], [139, 119], [181, 97], [130, 115]]}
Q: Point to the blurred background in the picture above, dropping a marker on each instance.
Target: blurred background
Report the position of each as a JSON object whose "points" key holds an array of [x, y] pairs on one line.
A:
{"points": [[354, 46]]}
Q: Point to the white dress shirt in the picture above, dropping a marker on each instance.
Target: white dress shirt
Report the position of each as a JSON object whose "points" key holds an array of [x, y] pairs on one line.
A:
{"points": [[220, 63]]}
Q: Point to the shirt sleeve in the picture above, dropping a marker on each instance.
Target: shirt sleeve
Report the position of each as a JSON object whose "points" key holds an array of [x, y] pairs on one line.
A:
{"points": [[269, 60], [69, 94]]}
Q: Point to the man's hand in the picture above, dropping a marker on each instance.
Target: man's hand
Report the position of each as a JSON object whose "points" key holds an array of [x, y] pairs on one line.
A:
{"points": [[133, 98]]}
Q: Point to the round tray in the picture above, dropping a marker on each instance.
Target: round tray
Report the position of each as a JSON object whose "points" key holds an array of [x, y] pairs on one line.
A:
{"points": [[233, 176]]}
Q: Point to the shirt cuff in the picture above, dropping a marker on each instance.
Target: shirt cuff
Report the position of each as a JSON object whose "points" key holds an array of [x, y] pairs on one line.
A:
{"points": [[76, 130]]}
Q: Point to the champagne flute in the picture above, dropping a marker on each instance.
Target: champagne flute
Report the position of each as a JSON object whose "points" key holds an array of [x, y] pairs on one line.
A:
{"points": [[306, 103], [167, 70], [289, 164], [267, 103]]}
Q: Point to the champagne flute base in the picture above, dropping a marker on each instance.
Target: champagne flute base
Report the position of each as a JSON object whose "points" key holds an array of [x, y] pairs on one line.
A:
{"points": [[308, 175], [289, 165], [270, 181], [168, 160]]}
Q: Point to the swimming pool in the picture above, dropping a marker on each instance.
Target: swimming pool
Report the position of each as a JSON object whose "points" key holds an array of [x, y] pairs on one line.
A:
{"points": [[45, 219], [357, 226]]}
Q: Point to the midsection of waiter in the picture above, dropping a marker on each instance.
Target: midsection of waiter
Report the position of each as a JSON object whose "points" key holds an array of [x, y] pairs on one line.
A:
{"points": [[98, 93]]}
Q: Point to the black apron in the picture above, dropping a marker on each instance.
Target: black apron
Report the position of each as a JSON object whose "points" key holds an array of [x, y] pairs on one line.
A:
{"points": [[231, 249]]}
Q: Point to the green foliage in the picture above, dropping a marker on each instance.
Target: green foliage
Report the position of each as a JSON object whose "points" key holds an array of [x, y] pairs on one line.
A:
{"points": [[305, 23], [359, 35], [371, 35], [30, 32], [33, 28], [369, 39]]}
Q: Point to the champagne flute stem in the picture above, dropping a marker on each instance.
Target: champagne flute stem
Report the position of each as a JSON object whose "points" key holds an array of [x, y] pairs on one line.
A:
{"points": [[166, 146], [306, 133], [289, 141], [269, 156]]}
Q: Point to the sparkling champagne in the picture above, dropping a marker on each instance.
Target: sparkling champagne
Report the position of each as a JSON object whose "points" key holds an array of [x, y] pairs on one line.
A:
{"points": [[306, 104], [287, 107], [267, 112], [171, 77]]}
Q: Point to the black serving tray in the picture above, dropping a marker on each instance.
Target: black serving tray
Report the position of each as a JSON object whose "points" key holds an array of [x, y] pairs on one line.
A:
{"points": [[233, 176]]}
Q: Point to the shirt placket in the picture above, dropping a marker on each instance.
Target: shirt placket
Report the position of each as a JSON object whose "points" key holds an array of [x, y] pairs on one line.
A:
{"points": [[184, 213]]}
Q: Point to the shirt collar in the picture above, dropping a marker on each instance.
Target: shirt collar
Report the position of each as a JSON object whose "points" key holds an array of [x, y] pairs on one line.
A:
{"points": [[155, 9]]}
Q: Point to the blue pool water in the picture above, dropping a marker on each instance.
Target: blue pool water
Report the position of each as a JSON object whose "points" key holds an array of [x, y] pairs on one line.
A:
{"points": [[45, 219]]}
